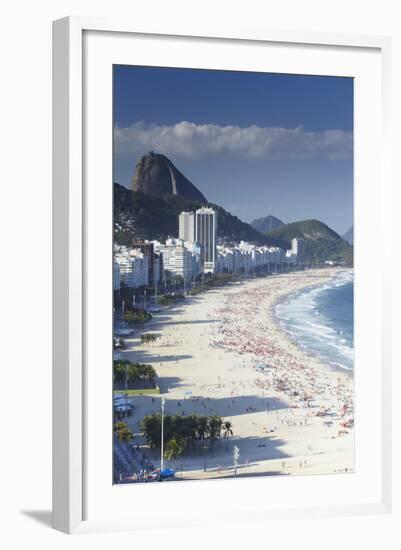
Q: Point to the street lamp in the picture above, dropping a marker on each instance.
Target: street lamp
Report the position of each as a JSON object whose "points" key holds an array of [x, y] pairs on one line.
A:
{"points": [[162, 438]]}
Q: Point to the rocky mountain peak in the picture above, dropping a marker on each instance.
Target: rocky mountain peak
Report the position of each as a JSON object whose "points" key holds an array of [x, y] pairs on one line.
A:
{"points": [[155, 174]]}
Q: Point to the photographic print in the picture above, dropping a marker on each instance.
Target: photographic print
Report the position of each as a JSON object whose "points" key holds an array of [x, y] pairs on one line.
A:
{"points": [[232, 274]]}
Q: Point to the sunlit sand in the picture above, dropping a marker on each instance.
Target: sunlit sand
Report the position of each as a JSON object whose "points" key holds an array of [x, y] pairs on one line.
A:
{"points": [[223, 353]]}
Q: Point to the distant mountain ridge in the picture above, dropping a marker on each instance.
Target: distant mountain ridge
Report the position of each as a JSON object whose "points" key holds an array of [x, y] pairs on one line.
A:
{"points": [[155, 174], [321, 242], [266, 224], [349, 235]]}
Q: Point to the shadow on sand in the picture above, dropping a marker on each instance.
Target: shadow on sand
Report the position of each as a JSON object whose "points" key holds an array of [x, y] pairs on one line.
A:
{"points": [[144, 356], [222, 406], [216, 462]]}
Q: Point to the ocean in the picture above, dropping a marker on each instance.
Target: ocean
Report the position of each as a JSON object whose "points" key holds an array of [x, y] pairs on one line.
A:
{"points": [[321, 321]]}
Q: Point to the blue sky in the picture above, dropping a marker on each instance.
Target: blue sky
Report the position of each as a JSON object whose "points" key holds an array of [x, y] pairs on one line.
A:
{"points": [[255, 143]]}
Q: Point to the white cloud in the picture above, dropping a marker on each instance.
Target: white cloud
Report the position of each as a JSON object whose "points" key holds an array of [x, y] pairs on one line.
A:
{"points": [[189, 140]]}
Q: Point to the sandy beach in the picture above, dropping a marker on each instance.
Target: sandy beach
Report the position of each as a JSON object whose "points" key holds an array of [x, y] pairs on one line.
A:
{"points": [[223, 353]]}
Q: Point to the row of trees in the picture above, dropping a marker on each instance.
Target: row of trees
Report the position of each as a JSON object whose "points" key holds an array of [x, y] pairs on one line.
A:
{"points": [[212, 281], [135, 372], [184, 432], [220, 279]]}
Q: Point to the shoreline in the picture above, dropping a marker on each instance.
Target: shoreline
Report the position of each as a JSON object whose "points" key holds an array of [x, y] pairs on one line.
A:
{"points": [[308, 352], [206, 357]]}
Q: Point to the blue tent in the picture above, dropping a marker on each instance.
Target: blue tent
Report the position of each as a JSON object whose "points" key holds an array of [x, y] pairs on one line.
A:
{"points": [[167, 472]]}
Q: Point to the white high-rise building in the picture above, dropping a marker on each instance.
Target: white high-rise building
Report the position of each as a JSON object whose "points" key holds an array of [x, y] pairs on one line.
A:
{"points": [[298, 249], [134, 269], [206, 236], [116, 275], [186, 226]]}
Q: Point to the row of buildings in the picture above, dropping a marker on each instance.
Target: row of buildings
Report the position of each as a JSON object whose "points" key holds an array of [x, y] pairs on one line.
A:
{"points": [[196, 251]]}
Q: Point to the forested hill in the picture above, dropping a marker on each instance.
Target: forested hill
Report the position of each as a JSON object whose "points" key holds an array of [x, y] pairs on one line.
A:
{"points": [[149, 216], [321, 242]]}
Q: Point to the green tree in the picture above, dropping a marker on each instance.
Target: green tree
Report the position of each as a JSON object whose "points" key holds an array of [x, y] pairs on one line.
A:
{"points": [[146, 372], [134, 372], [125, 435], [215, 426], [151, 429], [123, 432], [174, 448], [188, 430], [120, 426], [119, 369], [148, 338], [202, 428], [228, 431], [137, 316]]}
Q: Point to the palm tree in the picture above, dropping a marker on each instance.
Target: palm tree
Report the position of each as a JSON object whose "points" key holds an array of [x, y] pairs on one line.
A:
{"points": [[215, 425], [202, 428], [228, 431], [183, 431], [119, 371], [191, 425], [151, 429], [175, 448], [219, 422], [133, 373], [148, 372]]}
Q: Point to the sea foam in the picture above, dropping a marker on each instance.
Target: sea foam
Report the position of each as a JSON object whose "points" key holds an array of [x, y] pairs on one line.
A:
{"points": [[320, 320]]}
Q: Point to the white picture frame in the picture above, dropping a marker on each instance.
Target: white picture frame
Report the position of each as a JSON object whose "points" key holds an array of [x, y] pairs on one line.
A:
{"points": [[70, 249]]}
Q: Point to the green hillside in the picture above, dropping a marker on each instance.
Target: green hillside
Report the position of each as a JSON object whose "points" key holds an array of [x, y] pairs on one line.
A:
{"points": [[266, 224], [321, 242], [140, 215]]}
